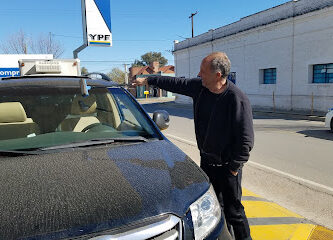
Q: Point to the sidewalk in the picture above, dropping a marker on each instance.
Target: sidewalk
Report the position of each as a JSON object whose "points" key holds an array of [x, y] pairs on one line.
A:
{"points": [[268, 220], [301, 115]]}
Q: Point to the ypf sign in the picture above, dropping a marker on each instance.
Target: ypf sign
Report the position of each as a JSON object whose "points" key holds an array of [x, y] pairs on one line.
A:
{"points": [[98, 22]]}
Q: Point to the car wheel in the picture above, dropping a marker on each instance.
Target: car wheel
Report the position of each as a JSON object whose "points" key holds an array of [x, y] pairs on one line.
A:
{"points": [[332, 125]]}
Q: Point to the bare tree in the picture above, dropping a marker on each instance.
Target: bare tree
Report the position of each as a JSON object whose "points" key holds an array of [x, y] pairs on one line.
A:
{"points": [[16, 44], [20, 43], [46, 45]]}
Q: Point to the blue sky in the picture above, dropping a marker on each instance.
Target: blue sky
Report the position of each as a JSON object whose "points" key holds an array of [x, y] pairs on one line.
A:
{"points": [[137, 26]]}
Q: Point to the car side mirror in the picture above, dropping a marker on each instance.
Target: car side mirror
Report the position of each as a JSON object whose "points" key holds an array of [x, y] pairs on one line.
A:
{"points": [[161, 118]]}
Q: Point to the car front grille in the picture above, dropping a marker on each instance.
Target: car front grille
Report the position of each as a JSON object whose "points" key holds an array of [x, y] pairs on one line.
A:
{"points": [[170, 228]]}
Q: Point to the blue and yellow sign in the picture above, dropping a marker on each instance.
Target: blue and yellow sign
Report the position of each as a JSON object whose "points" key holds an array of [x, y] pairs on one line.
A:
{"points": [[98, 22]]}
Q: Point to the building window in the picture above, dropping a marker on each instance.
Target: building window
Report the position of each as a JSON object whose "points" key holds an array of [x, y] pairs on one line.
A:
{"points": [[269, 76], [323, 73], [232, 77]]}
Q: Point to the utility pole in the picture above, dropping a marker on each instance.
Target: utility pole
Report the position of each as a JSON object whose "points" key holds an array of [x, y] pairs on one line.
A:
{"points": [[192, 15], [126, 75], [50, 43], [25, 48]]}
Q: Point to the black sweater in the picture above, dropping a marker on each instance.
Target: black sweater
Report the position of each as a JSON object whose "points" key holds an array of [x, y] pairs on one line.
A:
{"points": [[223, 122]]}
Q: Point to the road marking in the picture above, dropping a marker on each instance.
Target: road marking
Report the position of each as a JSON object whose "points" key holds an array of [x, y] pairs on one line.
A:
{"points": [[303, 232], [276, 221], [252, 198], [321, 233], [300, 180], [281, 232], [268, 220], [246, 192], [259, 209]]}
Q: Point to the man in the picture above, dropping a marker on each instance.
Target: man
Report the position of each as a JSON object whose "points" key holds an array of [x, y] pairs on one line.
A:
{"points": [[224, 131]]}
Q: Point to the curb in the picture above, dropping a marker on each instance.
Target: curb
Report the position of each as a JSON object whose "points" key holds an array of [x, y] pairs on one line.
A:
{"points": [[270, 220], [310, 184], [307, 183], [292, 115]]}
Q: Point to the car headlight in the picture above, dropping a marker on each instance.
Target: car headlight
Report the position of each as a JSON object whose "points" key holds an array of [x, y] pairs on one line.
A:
{"points": [[206, 214]]}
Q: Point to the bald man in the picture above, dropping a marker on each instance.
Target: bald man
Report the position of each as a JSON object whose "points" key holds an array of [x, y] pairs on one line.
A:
{"points": [[224, 131]]}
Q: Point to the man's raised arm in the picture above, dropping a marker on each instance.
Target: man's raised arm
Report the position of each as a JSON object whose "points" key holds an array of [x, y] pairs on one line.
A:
{"points": [[187, 87]]}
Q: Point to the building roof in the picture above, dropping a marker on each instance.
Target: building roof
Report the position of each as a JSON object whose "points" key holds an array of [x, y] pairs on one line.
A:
{"points": [[281, 12], [147, 70], [167, 69]]}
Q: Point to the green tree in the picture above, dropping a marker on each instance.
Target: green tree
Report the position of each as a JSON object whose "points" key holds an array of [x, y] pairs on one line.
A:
{"points": [[150, 57], [84, 71], [138, 63], [117, 75]]}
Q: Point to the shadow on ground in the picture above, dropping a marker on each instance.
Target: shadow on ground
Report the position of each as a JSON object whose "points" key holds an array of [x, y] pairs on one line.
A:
{"points": [[186, 111], [322, 134]]}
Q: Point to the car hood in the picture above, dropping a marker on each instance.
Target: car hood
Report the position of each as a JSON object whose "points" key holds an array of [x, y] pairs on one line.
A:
{"points": [[90, 190]]}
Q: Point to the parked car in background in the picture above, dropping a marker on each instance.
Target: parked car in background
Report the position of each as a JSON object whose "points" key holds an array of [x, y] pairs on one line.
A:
{"points": [[329, 119], [81, 159]]}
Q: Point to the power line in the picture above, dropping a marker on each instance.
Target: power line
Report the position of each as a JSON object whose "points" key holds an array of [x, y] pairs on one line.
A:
{"points": [[120, 40], [106, 61], [114, 61]]}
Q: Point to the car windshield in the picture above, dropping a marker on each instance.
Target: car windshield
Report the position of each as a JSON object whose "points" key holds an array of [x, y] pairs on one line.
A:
{"points": [[44, 117]]}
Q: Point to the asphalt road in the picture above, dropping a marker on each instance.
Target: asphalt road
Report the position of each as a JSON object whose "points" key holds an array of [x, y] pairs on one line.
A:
{"points": [[298, 147]]}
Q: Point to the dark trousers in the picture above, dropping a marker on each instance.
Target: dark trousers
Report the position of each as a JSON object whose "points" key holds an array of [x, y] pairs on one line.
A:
{"points": [[229, 192]]}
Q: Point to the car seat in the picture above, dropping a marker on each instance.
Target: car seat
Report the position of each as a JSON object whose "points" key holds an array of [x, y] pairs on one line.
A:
{"points": [[83, 113], [14, 122]]}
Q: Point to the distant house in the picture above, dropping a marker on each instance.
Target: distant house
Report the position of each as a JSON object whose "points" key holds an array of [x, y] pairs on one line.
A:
{"points": [[152, 70]]}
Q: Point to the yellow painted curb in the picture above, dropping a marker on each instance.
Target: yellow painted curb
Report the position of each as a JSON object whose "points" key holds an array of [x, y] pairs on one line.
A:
{"points": [[303, 232], [269, 212], [281, 232], [321, 233], [247, 193], [259, 209]]}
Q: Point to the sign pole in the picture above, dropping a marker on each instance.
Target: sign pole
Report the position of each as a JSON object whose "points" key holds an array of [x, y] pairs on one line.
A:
{"points": [[84, 30]]}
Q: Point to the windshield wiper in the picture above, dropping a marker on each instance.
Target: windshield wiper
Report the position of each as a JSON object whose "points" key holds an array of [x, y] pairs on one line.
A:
{"points": [[80, 144], [131, 139], [13, 153], [97, 141]]}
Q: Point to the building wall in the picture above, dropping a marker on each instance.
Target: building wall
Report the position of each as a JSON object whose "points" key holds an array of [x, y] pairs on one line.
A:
{"points": [[291, 45]]}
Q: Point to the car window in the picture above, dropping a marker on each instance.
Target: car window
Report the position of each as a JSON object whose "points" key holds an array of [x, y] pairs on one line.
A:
{"points": [[43, 117]]}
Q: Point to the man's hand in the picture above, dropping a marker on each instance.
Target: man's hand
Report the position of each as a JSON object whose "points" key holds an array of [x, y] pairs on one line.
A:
{"points": [[139, 82], [234, 173]]}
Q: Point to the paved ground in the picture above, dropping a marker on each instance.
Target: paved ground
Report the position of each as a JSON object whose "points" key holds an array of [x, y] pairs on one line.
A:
{"points": [[268, 219], [285, 142]]}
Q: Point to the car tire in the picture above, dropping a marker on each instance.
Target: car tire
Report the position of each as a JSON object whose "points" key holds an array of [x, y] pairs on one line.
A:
{"points": [[331, 125]]}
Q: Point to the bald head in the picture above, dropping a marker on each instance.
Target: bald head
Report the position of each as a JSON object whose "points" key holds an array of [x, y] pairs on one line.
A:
{"points": [[219, 62]]}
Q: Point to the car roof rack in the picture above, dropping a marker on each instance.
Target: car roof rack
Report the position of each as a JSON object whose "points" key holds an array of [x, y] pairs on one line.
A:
{"points": [[40, 76], [102, 76]]}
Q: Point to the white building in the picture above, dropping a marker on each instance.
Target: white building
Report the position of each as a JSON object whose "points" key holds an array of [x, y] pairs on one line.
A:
{"points": [[282, 57], [9, 62]]}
